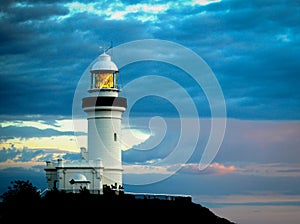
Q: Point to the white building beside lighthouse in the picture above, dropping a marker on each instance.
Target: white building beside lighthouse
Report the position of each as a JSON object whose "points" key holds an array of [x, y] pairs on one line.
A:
{"points": [[101, 163]]}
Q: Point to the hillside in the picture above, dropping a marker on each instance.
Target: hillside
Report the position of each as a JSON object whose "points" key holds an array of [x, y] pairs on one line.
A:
{"points": [[59, 207]]}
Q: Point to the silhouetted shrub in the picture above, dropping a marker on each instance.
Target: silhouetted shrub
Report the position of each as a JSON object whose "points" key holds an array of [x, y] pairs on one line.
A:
{"points": [[21, 192]]}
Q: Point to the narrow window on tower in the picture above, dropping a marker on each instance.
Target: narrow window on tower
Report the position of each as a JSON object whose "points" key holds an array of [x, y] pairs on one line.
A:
{"points": [[115, 137]]}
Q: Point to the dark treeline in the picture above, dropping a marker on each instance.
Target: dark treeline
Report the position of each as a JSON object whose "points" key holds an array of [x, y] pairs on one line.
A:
{"points": [[22, 203]]}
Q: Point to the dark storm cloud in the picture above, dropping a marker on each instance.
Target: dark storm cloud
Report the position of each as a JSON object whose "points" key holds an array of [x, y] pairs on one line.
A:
{"points": [[39, 11], [22, 25], [251, 46], [43, 60], [31, 75]]}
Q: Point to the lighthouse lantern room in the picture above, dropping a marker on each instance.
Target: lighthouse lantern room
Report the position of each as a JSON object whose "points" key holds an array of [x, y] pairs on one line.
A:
{"points": [[104, 75], [101, 162]]}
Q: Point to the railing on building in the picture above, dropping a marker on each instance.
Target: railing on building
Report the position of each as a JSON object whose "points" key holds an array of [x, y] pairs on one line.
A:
{"points": [[170, 197]]}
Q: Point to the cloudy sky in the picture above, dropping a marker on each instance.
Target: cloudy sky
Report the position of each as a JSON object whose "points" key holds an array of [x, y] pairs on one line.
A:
{"points": [[244, 60]]}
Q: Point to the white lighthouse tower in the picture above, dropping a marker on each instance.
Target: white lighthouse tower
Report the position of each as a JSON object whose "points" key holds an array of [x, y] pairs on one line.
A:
{"points": [[101, 163], [104, 110]]}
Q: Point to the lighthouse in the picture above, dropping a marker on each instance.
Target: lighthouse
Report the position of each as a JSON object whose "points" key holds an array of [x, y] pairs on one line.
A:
{"points": [[100, 164], [104, 110]]}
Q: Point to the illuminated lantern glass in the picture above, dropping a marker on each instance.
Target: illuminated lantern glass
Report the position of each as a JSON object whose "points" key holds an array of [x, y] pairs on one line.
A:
{"points": [[104, 80]]}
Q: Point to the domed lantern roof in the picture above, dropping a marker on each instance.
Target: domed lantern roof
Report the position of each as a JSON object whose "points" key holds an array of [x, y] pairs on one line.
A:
{"points": [[104, 63]]}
